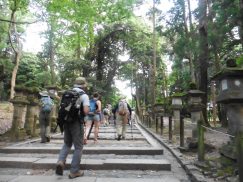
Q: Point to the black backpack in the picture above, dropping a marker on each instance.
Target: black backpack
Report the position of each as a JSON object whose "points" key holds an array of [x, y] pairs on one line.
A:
{"points": [[71, 108]]}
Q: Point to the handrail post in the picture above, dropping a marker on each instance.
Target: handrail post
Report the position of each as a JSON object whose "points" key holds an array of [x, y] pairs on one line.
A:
{"points": [[161, 124], [181, 131], [170, 128], [240, 155], [156, 123], [201, 147]]}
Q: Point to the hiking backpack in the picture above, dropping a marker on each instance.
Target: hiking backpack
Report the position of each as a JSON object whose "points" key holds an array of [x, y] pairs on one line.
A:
{"points": [[122, 108], [46, 104], [92, 106], [106, 111], [71, 107]]}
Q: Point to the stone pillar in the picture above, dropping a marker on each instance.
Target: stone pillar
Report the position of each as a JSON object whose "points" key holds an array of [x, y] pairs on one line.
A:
{"points": [[195, 117], [176, 116], [159, 113], [32, 112], [176, 106], [53, 92], [17, 130], [195, 105]]}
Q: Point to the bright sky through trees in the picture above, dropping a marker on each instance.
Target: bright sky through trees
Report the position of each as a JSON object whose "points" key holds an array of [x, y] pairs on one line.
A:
{"points": [[34, 40]]}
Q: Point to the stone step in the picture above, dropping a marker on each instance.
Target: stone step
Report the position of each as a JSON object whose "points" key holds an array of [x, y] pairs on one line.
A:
{"points": [[88, 164], [54, 178], [86, 150], [108, 136]]}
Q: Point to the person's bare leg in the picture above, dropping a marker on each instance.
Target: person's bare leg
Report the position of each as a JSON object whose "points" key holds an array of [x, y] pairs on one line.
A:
{"points": [[96, 130], [86, 132]]}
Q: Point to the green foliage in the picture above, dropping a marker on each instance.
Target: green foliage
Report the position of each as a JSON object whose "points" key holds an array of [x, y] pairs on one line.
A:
{"points": [[239, 61], [31, 73]]}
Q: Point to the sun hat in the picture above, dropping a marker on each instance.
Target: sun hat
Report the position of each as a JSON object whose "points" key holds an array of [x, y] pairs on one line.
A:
{"points": [[44, 93], [80, 82]]}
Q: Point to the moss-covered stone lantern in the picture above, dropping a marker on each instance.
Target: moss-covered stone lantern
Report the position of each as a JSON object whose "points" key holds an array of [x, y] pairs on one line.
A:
{"points": [[230, 92], [195, 106], [53, 92], [32, 111], [20, 102], [176, 106], [159, 109]]}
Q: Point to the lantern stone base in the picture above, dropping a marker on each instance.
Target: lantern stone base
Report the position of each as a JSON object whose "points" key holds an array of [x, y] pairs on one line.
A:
{"points": [[18, 135], [192, 145], [229, 150]]}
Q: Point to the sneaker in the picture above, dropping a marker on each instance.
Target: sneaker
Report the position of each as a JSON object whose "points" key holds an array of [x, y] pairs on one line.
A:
{"points": [[59, 168], [75, 175], [119, 137], [85, 141], [48, 139]]}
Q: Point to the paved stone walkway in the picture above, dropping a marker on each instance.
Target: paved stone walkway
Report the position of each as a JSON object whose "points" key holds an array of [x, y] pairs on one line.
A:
{"points": [[139, 158]]}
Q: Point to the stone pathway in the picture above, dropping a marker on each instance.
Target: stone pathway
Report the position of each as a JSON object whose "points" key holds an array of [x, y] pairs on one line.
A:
{"points": [[139, 158]]}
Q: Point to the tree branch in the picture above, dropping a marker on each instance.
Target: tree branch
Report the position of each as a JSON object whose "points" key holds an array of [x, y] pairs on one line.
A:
{"points": [[16, 22]]}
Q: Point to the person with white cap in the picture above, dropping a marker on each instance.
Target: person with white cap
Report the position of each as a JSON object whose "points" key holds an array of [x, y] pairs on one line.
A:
{"points": [[73, 134]]}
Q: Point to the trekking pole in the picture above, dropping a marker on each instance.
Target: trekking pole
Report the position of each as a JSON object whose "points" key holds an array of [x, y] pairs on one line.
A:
{"points": [[131, 129], [114, 123], [90, 129]]}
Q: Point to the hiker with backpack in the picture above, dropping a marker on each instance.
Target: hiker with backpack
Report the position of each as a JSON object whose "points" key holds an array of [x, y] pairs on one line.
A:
{"points": [[93, 118], [73, 108], [46, 106], [123, 111], [106, 113]]}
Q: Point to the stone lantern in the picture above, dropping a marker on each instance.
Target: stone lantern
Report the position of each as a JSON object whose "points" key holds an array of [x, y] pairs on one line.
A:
{"points": [[20, 102], [195, 107], [32, 111], [159, 112], [176, 106], [159, 109], [53, 92], [230, 92], [150, 115]]}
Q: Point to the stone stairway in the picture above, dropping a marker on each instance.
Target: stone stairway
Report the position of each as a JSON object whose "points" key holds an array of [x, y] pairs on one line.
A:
{"points": [[138, 158]]}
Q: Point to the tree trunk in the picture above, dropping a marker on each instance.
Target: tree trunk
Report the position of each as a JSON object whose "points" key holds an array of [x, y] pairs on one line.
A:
{"points": [[203, 55], [14, 74], [17, 50], [241, 23], [52, 55], [188, 35], [153, 66]]}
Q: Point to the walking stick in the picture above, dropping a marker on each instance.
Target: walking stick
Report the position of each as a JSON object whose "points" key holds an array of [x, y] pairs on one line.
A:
{"points": [[90, 129], [114, 123], [131, 127]]}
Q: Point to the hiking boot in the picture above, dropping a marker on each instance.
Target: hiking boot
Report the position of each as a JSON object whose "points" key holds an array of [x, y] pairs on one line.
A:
{"points": [[119, 137], [48, 139], [59, 168], [75, 175]]}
